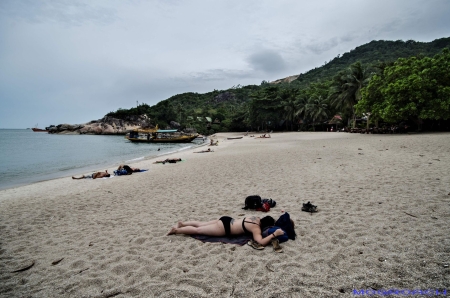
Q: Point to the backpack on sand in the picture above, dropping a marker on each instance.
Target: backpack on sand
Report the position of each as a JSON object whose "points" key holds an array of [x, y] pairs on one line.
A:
{"points": [[255, 202]]}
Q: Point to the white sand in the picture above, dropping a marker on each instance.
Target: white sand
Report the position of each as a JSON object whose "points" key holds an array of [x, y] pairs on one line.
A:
{"points": [[383, 222]]}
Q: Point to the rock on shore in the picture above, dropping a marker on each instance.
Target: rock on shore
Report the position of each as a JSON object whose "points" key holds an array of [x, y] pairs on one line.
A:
{"points": [[105, 126]]}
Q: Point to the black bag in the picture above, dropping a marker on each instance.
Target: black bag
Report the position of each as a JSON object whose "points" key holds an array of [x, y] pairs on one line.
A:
{"points": [[253, 202]]}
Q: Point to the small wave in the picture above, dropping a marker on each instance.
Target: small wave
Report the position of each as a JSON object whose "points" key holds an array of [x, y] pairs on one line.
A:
{"points": [[185, 148], [68, 168], [138, 158], [168, 152]]}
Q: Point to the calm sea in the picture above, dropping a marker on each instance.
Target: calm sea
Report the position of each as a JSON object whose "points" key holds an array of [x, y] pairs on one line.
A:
{"points": [[27, 157]]}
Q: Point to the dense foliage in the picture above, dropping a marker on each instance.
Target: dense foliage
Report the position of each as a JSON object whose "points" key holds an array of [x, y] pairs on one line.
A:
{"points": [[416, 88], [353, 80]]}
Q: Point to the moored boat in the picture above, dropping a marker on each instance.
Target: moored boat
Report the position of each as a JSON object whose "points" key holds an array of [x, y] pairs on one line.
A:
{"points": [[156, 135], [36, 129]]}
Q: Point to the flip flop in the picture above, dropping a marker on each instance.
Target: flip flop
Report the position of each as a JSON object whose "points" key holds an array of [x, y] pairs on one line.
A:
{"points": [[308, 207], [276, 245], [255, 245]]}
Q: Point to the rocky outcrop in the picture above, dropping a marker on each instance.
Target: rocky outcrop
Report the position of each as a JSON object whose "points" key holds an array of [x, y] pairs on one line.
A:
{"points": [[175, 124], [224, 97], [105, 126], [285, 80]]}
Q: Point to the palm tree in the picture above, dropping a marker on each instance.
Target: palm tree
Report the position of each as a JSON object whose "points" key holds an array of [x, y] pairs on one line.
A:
{"points": [[289, 103], [302, 104], [346, 88], [317, 109]]}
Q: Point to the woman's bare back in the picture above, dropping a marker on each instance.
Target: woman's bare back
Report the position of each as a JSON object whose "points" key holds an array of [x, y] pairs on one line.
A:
{"points": [[251, 225]]}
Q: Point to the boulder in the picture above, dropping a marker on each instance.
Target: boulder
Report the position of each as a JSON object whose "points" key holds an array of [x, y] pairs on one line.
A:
{"points": [[106, 126]]}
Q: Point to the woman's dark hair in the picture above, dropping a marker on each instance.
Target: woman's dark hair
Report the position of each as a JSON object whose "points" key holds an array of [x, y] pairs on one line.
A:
{"points": [[267, 221], [128, 169]]}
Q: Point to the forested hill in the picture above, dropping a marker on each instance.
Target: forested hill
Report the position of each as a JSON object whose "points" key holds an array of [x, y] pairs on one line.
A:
{"points": [[373, 53], [312, 97]]}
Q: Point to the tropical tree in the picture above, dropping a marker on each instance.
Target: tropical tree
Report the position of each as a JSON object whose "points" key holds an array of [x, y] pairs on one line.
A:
{"points": [[179, 109], [317, 109], [413, 88], [301, 104], [265, 108], [288, 99], [346, 88]]}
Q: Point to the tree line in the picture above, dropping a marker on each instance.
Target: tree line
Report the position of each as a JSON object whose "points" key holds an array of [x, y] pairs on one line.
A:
{"points": [[411, 88]]}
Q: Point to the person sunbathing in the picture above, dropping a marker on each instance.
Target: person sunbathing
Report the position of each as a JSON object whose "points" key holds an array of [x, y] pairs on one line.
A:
{"points": [[204, 151], [264, 136], [94, 175], [227, 226], [169, 160], [128, 169]]}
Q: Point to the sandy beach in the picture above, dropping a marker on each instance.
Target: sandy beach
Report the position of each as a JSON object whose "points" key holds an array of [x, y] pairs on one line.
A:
{"points": [[383, 222]]}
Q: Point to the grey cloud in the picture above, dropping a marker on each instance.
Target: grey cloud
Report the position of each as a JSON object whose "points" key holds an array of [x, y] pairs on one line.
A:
{"points": [[267, 61], [322, 46], [69, 12], [348, 37], [220, 74], [112, 53]]}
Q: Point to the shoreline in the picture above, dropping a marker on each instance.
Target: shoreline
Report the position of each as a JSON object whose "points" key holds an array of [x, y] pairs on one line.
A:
{"points": [[382, 221], [90, 168]]}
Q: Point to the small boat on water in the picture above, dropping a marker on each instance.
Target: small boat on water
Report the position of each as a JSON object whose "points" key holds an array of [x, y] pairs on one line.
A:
{"points": [[36, 129], [155, 135]]}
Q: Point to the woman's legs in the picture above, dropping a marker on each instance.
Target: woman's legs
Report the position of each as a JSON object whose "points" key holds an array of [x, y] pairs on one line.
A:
{"points": [[210, 228], [196, 223]]}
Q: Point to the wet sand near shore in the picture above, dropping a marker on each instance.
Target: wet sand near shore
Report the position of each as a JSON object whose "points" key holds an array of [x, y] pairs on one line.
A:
{"points": [[383, 222]]}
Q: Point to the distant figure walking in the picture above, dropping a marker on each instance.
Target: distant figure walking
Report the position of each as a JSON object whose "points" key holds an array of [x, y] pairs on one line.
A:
{"points": [[94, 175]]}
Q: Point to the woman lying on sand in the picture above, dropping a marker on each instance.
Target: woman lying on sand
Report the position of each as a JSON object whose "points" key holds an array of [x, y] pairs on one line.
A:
{"points": [[264, 136], [204, 151], [169, 160], [128, 169], [94, 175], [227, 226]]}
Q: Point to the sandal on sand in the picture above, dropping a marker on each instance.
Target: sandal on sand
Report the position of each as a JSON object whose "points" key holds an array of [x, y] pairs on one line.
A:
{"points": [[276, 245], [255, 244], [308, 207]]}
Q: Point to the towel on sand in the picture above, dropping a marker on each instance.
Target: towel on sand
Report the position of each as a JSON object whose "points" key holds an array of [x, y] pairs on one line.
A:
{"points": [[239, 240]]}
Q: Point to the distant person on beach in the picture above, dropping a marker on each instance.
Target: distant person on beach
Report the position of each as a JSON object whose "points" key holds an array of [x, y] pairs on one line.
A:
{"points": [[204, 151], [168, 160], [264, 136], [129, 169], [94, 175], [227, 226]]}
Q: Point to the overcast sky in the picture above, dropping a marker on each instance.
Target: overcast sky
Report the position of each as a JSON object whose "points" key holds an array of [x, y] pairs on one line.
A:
{"points": [[72, 61]]}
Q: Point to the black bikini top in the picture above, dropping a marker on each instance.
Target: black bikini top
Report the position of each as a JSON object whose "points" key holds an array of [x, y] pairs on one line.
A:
{"points": [[243, 226]]}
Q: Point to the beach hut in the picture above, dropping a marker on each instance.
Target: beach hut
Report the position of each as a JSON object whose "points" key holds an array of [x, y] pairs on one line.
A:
{"points": [[335, 122]]}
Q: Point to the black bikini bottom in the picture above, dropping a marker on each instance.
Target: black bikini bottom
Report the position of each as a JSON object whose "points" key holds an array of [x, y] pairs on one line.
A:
{"points": [[226, 220]]}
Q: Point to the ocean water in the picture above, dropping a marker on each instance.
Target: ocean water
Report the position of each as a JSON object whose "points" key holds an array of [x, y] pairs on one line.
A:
{"points": [[27, 157]]}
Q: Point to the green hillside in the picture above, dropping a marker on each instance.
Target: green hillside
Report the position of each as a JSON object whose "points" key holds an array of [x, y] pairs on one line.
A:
{"points": [[306, 102], [373, 53]]}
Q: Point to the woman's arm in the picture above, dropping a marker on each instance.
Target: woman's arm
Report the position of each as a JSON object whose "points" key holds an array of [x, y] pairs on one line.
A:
{"points": [[264, 241]]}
